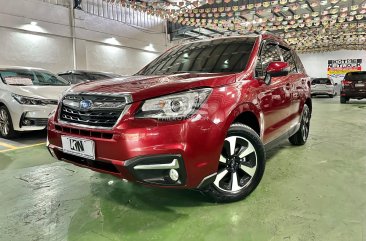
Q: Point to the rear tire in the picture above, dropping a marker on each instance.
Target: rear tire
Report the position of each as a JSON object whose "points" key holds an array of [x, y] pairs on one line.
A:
{"points": [[241, 165], [301, 136], [6, 124], [331, 96], [343, 100]]}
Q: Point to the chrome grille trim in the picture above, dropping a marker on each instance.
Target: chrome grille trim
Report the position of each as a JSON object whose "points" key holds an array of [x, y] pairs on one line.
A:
{"points": [[96, 118]]}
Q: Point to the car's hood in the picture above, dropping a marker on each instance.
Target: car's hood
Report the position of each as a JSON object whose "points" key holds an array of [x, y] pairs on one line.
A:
{"points": [[42, 92], [146, 87]]}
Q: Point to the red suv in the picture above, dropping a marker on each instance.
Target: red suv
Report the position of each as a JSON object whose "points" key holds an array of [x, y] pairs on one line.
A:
{"points": [[199, 116]]}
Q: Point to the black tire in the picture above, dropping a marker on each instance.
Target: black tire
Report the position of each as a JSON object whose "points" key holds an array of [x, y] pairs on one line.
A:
{"points": [[248, 154], [6, 124], [301, 136], [331, 96], [343, 100]]}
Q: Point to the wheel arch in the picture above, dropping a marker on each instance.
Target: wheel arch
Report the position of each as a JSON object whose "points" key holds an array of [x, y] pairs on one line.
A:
{"points": [[246, 114]]}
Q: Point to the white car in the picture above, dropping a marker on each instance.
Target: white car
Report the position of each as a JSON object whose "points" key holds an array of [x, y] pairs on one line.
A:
{"points": [[27, 97], [323, 86]]}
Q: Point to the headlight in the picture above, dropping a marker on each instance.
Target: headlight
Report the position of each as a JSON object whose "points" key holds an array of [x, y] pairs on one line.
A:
{"points": [[174, 106], [24, 100]]}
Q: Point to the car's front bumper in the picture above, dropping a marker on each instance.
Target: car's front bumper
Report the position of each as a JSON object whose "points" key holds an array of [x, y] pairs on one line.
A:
{"points": [[146, 151], [30, 117]]}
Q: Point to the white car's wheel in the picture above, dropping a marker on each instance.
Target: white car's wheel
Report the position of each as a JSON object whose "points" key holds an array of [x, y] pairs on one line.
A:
{"points": [[6, 125]]}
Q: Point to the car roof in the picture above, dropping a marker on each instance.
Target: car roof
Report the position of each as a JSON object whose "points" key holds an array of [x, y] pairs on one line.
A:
{"points": [[262, 36], [85, 72], [4, 67]]}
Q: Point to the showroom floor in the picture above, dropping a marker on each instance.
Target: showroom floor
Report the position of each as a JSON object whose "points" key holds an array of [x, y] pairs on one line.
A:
{"points": [[313, 192]]}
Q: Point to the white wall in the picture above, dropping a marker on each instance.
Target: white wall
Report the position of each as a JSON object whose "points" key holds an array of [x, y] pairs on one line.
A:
{"points": [[316, 64], [49, 44]]}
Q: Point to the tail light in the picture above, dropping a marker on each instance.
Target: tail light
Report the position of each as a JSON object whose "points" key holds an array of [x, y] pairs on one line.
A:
{"points": [[346, 82]]}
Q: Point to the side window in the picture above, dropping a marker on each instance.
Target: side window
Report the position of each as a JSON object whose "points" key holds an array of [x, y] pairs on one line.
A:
{"points": [[287, 57], [269, 53], [300, 66]]}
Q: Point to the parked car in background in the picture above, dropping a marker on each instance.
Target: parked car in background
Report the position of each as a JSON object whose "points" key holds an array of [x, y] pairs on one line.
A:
{"points": [[323, 86], [353, 86], [80, 76], [27, 98], [199, 116]]}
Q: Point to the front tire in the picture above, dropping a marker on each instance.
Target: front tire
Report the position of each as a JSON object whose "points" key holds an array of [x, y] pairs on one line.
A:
{"points": [[301, 136], [6, 124], [241, 165], [343, 99]]}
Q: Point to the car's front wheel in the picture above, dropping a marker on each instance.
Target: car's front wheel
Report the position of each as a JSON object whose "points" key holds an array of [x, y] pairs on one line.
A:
{"points": [[6, 125], [241, 165]]}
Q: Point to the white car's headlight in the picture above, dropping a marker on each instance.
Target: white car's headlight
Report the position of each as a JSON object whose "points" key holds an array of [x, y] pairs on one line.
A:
{"points": [[175, 106], [24, 100]]}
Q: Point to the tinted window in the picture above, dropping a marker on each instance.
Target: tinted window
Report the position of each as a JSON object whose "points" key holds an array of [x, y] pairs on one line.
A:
{"points": [[356, 76], [68, 77], [321, 81], [287, 57], [30, 77], [222, 55], [269, 53]]}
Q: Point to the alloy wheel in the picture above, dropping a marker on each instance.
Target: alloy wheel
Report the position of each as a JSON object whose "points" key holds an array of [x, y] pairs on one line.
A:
{"points": [[4, 123], [237, 165], [305, 124]]}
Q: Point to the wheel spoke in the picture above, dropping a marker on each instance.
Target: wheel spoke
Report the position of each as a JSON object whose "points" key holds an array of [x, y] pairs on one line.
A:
{"points": [[248, 170], [220, 176], [247, 151], [234, 182], [222, 159], [232, 141]]}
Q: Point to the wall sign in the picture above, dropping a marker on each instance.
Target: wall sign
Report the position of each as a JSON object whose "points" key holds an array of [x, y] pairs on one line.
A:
{"points": [[340, 67]]}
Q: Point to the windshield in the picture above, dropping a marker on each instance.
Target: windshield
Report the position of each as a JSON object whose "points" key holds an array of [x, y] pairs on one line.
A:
{"points": [[356, 76], [321, 81], [228, 55], [31, 77]]}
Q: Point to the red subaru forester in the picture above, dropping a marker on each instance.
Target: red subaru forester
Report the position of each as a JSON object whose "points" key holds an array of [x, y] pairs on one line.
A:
{"points": [[199, 116]]}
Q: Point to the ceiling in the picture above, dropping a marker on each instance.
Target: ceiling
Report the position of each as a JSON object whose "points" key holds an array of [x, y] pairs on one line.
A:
{"points": [[307, 25]]}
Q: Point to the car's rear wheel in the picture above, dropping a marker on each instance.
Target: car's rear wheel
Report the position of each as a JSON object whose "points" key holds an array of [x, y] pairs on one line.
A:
{"points": [[343, 99], [241, 165], [6, 125], [301, 136], [331, 96]]}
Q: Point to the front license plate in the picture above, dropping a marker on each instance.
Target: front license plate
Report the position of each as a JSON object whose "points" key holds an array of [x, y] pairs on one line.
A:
{"points": [[359, 85], [78, 147]]}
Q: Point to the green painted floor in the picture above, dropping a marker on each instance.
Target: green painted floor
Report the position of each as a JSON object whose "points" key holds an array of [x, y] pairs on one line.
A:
{"points": [[314, 192]]}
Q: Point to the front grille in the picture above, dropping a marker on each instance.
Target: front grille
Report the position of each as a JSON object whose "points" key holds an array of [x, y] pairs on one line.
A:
{"points": [[98, 112], [96, 164], [86, 133]]}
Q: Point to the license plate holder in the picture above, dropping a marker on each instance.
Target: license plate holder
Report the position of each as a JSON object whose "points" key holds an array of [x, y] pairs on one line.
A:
{"points": [[78, 147]]}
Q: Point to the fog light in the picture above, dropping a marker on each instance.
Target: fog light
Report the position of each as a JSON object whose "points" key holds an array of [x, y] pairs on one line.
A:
{"points": [[27, 122], [174, 175]]}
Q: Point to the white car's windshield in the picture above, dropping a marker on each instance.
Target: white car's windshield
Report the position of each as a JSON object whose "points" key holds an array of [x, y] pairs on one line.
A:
{"points": [[31, 77]]}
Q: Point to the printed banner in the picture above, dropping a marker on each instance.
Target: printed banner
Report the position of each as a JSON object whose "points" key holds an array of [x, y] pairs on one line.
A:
{"points": [[340, 67]]}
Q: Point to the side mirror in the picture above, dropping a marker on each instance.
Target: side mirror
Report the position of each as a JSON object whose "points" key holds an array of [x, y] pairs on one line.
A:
{"points": [[276, 69]]}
